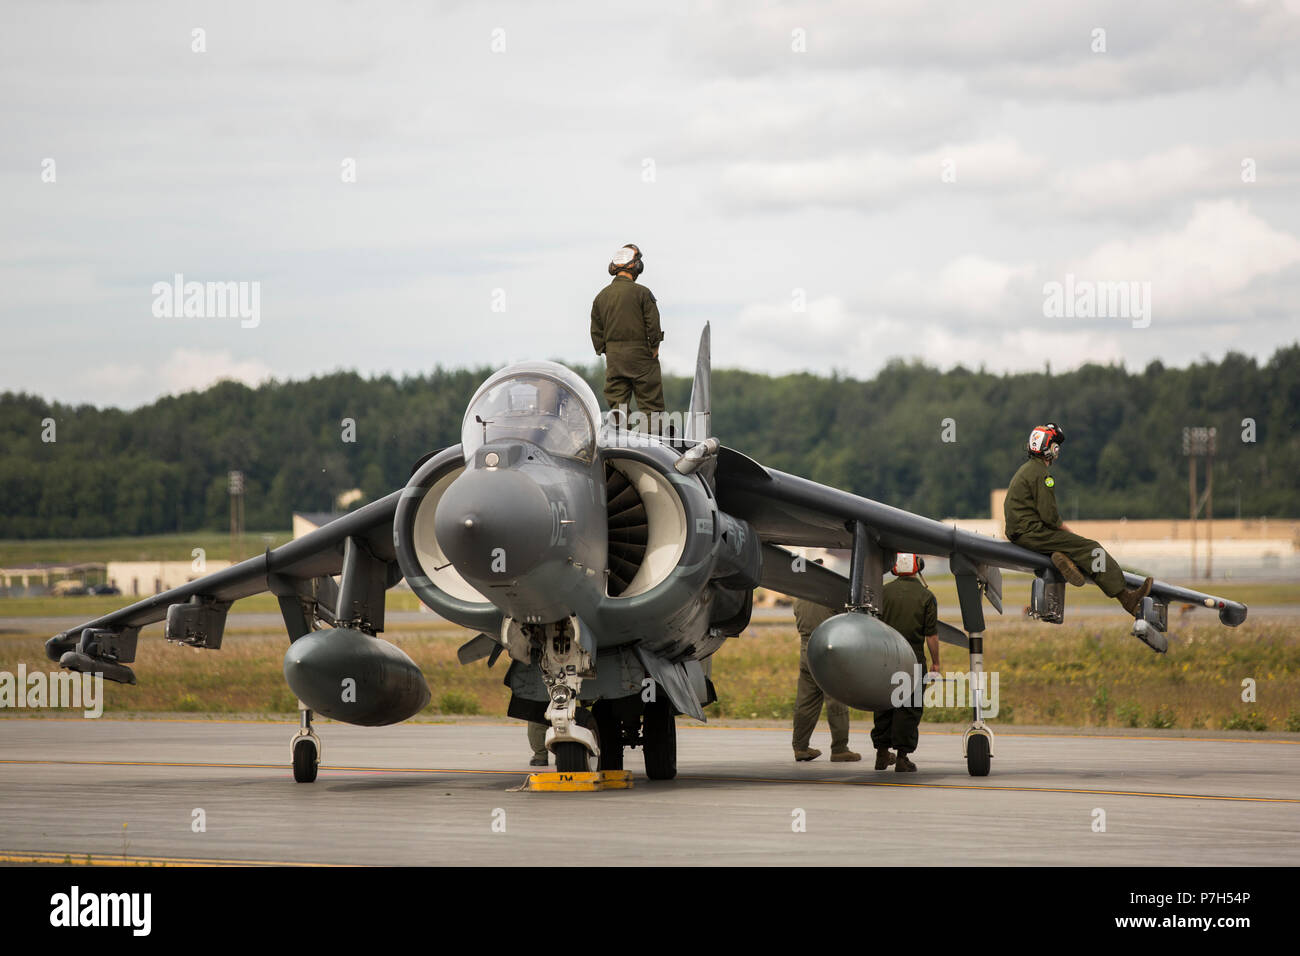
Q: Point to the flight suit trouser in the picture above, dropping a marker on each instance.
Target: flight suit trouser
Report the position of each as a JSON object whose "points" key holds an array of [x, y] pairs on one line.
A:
{"points": [[631, 370], [537, 739], [1090, 558], [808, 709], [898, 727]]}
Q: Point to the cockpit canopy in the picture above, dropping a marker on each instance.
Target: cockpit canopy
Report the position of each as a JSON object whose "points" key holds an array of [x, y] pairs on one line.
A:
{"points": [[539, 402]]}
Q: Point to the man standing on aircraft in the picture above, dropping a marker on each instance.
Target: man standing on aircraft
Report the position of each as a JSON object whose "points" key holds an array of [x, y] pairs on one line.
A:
{"points": [[625, 329], [1033, 522], [910, 608], [809, 697]]}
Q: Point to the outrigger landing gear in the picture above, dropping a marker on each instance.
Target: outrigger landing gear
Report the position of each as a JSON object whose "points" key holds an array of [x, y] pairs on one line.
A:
{"points": [[305, 748], [977, 742]]}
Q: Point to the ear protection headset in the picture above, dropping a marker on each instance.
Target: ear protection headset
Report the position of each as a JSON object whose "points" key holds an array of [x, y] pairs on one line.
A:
{"points": [[627, 259], [1045, 441], [905, 564]]}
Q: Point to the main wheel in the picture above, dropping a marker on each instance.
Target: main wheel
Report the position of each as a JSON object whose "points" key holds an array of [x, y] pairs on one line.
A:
{"points": [[571, 757], [609, 731], [660, 733], [304, 760], [977, 755]]}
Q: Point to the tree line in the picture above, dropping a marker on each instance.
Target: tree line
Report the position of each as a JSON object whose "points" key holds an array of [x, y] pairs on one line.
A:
{"points": [[929, 441]]}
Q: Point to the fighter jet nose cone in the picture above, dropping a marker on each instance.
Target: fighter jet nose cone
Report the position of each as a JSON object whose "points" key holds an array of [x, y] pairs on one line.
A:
{"points": [[494, 525]]}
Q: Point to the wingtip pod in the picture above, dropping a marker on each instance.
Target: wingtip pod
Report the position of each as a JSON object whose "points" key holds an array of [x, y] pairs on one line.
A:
{"points": [[1231, 613], [60, 644]]}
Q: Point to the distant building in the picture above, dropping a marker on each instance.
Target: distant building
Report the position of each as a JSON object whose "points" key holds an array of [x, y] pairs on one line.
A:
{"points": [[33, 580], [305, 522], [145, 578]]}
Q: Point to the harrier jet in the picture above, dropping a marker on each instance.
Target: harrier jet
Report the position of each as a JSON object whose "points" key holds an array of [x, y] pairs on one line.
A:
{"points": [[609, 563]]}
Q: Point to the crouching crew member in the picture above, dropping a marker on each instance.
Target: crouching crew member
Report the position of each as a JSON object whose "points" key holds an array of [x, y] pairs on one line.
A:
{"points": [[1033, 522]]}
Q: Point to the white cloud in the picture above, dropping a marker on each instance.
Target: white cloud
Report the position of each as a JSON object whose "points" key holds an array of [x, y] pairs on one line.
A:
{"points": [[183, 370], [875, 178], [768, 336], [1016, 48], [1197, 270], [970, 286], [1137, 187]]}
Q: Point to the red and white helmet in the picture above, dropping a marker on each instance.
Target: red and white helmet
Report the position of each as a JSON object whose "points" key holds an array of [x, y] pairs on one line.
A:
{"points": [[1045, 441], [906, 564]]}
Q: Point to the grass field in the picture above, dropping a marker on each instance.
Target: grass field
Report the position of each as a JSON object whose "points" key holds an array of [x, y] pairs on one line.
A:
{"points": [[163, 547], [1015, 592], [1082, 674]]}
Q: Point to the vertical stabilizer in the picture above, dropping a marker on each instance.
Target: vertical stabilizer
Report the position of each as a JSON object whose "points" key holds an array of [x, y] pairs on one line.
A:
{"points": [[699, 417]]}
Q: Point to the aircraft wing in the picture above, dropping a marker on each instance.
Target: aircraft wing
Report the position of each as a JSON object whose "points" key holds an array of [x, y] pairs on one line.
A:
{"points": [[298, 573], [788, 510]]}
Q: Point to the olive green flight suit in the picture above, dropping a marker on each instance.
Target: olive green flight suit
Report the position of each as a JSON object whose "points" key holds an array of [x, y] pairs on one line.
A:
{"points": [[809, 697], [1033, 522], [537, 740], [625, 329], [910, 608]]}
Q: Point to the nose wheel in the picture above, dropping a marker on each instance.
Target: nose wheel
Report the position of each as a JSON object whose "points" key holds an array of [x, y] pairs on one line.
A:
{"points": [[571, 757], [305, 749]]}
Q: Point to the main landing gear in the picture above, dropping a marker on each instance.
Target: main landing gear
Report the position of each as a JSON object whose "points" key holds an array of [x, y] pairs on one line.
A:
{"points": [[977, 742]]}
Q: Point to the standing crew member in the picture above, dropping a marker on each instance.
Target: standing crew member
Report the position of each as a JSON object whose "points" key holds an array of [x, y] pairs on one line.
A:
{"points": [[625, 329], [910, 608], [809, 697], [537, 743], [1033, 522]]}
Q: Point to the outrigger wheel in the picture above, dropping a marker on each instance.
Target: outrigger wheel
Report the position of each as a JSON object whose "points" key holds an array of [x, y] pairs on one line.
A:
{"points": [[979, 753], [305, 760], [306, 749]]}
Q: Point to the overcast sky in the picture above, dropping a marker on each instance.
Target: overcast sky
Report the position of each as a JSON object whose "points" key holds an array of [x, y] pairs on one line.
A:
{"points": [[912, 173]]}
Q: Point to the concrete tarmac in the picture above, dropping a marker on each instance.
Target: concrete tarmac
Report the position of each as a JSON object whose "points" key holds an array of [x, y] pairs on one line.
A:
{"points": [[423, 793]]}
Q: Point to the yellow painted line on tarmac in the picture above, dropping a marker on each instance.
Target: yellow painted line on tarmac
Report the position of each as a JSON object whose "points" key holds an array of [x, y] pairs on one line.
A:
{"points": [[91, 859], [692, 726], [250, 766], [1047, 736], [703, 777], [975, 786]]}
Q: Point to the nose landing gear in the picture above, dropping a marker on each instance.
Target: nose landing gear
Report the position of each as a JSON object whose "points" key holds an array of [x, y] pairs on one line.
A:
{"points": [[565, 663]]}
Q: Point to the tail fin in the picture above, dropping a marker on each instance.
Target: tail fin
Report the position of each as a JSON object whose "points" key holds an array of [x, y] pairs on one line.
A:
{"points": [[699, 418]]}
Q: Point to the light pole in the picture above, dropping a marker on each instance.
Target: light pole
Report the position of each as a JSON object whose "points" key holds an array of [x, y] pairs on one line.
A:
{"points": [[1200, 443]]}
